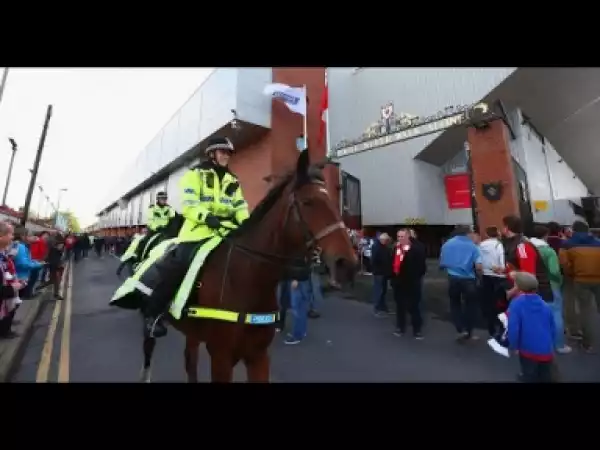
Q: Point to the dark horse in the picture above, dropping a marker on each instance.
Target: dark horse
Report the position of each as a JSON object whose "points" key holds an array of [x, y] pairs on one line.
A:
{"points": [[242, 273]]}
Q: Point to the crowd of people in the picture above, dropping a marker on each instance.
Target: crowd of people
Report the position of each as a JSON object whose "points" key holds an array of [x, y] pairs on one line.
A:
{"points": [[28, 263], [547, 286], [31, 262], [536, 294]]}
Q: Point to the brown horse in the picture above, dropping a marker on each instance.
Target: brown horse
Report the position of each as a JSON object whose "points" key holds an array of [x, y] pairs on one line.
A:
{"points": [[242, 273]]}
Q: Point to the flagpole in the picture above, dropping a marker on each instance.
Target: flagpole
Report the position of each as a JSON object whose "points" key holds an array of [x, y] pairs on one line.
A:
{"points": [[305, 120], [3, 83], [327, 132]]}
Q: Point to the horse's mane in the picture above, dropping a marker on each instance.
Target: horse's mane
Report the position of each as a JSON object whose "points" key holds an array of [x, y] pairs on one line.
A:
{"points": [[264, 206]]}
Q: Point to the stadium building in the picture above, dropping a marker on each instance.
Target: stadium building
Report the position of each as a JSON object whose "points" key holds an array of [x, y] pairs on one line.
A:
{"points": [[264, 133], [430, 147], [440, 147]]}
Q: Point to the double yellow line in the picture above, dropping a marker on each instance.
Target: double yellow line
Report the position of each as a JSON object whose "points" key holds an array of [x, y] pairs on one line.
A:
{"points": [[65, 343]]}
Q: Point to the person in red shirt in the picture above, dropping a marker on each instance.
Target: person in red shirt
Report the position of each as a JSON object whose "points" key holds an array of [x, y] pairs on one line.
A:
{"points": [[522, 256], [39, 248], [69, 245]]}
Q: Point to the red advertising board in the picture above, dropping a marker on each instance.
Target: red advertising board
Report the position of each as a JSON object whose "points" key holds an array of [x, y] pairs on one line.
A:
{"points": [[458, 190]]}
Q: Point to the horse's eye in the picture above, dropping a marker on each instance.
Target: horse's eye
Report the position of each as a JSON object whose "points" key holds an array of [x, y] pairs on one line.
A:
{"points": [[308, 202]]}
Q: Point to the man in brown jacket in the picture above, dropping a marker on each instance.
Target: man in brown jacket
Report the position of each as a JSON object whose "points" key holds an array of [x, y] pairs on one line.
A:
{"points": [[580, 259]]}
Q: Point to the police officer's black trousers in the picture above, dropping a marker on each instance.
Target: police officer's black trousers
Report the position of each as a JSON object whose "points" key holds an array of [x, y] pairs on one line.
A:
{"points": [[165, 276]]}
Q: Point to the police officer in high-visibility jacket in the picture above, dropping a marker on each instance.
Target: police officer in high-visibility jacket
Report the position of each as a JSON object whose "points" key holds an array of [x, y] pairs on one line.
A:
{"points": [[159, 216], [211, 195]]}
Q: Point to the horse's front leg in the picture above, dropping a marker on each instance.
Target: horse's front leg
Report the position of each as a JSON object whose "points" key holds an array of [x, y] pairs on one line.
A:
{"points": [[190, 355], [258, 368]]}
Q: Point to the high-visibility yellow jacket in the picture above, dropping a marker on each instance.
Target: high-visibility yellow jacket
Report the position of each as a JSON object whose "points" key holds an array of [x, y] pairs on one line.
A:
{"points": [[205, 192], [159, 216]]}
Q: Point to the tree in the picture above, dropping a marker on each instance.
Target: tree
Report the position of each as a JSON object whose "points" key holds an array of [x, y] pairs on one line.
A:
{"points": [[72, 220]]}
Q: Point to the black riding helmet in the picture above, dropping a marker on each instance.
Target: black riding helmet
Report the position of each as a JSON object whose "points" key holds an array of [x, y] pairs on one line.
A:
{"points": [[219, 143]]}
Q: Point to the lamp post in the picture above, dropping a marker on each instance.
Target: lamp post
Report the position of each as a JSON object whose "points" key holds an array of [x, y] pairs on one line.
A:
{"points": [[39, 209], [48, 208], [3, 82], [36, 165], [13, 144], [60, 191]]}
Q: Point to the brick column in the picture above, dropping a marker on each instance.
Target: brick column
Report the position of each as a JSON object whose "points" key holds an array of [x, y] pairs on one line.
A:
{"points": [[491, 162], [287, 126]]}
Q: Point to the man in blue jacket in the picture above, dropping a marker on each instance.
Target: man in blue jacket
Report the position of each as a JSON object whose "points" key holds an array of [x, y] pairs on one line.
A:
{"points": [[461, 259]]}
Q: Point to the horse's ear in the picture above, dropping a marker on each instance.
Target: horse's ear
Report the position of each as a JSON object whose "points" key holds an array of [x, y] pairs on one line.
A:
{"points": [[302, 165]]}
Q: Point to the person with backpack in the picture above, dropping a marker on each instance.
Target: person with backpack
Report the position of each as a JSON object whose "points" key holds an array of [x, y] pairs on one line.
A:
{"points": [[550, 259], [521, 255]]}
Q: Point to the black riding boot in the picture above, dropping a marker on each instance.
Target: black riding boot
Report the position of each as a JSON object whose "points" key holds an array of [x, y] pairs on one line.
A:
{"points": [[129, 263], [153, 321], [142, 244], [164, 278]]}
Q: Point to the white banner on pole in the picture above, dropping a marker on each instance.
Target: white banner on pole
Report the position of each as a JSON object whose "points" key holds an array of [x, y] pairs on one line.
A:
{"points": [[293, 97]]}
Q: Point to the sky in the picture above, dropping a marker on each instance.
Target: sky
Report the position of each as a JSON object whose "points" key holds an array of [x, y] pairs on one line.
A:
{"points": [[102, 118]]}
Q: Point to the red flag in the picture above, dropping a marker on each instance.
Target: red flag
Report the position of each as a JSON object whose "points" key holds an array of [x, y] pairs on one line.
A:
{"points": [[324, 107]]}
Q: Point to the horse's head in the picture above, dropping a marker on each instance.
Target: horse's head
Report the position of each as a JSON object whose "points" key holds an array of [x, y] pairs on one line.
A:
{"points": [[315, 219]]}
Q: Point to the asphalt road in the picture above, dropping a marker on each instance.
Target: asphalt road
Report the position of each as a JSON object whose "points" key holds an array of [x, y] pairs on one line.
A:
{"points": [[88, 341]]}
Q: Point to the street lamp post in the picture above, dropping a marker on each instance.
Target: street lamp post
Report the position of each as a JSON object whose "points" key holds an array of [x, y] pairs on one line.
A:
{"points": [[3, 83], [36, 165], [39, 209], [60, 191], [48, 208], [13, 144]]}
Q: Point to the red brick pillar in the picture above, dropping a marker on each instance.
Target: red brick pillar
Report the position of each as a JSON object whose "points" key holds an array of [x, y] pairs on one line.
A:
{"points": [[491, 162], [287, 126]]}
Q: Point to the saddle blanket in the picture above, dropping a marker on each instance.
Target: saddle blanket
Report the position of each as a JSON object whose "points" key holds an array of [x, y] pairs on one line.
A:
{"points": [[126, 297]]}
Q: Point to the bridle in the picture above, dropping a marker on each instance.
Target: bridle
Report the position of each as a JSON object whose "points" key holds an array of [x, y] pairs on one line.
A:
{"points": [[293, 213]]}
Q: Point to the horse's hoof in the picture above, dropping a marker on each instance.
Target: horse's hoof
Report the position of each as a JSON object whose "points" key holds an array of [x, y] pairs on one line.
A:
{"points": [[145, 376]]}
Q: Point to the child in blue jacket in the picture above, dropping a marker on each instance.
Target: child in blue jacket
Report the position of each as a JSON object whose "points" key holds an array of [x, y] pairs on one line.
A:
{"points": [[531, 331]]}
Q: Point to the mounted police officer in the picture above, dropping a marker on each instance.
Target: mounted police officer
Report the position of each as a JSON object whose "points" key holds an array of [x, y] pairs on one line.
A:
{"points": [[211, 195], [159, 216]]}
